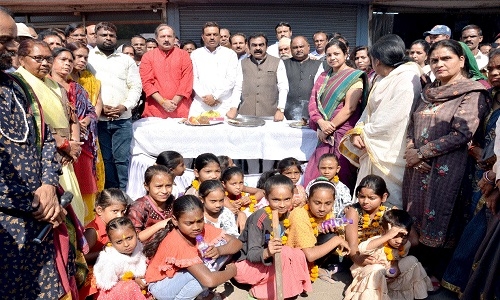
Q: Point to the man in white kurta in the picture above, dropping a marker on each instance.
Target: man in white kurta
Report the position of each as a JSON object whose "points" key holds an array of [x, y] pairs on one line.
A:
{"points": [[214, 69]]}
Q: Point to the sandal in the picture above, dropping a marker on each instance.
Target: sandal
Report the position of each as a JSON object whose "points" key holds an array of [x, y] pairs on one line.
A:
{"points": [[326, 275]]}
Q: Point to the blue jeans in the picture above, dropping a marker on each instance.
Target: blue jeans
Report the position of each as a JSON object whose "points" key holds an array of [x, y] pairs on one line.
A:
{"points": [[115, 138], [182, 286]]}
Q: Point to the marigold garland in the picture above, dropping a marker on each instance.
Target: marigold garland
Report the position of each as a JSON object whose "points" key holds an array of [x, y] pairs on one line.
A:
{"points": [[314, 270], [314, 273], [314, 222], [336, 179], [196, 184], [389, 251], [286, 224], [127, 275], [375, 222], [250, 206]]}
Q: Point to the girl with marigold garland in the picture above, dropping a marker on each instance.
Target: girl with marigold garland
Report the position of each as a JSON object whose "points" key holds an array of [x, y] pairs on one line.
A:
{"points": [[120, 268], [366, 216], [396, 275], [240, 203], [206, 167], [306, 233], [329, 168], [255, 265]]}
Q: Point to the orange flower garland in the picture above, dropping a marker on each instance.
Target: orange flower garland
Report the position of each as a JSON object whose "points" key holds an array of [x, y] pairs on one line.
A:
{"points": [[286, 224], [336, 179], [389, 251], [195, 184], [375, 222], [250, 206], [127, 275], [314, 269]]}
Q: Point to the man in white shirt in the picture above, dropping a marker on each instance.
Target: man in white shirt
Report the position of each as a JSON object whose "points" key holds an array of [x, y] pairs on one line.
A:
{"points": [[283, 29], [214, 70], [261, 83], [91, 37], [120, 90], [472, 35], [320, 40]]}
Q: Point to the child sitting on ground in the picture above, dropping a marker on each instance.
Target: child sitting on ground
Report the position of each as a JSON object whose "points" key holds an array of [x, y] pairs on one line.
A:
{"points": [[395, 275]]}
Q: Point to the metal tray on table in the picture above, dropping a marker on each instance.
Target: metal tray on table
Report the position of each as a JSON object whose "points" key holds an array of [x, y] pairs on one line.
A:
{"points": [[246, 121]]}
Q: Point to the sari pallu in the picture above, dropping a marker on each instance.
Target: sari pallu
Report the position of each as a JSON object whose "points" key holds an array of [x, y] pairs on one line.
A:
{"points": [[83, 108], [327, 99]]}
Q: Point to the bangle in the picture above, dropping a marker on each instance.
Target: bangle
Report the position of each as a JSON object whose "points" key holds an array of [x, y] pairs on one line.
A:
{"points": [[65, 145], [485, 176], [162, 101]]}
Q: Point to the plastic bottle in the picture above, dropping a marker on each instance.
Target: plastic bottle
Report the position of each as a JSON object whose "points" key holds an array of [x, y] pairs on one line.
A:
{"points": [[202, 247], [335, 222], [391, 272]]}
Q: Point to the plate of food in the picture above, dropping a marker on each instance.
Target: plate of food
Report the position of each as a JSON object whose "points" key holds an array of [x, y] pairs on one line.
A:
{"points": [[207, 118], [247, 121], [300, 124]]}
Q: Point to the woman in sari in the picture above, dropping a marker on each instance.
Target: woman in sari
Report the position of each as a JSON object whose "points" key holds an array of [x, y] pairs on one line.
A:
{"points": [[85, 112], [377, 143], [90, 161], [334, 107], [36, 62], [482, 152], [443, 123]]}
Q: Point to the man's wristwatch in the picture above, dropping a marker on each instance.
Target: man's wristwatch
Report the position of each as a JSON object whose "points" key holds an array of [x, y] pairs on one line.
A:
{"points": [[281, 110]]}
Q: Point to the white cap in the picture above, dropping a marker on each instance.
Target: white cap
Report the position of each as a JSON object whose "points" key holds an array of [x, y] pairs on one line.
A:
{"points": [[23, 30]]}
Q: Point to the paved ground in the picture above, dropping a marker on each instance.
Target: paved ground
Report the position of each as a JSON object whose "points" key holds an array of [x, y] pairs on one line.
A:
{"points": [[321, 290]]}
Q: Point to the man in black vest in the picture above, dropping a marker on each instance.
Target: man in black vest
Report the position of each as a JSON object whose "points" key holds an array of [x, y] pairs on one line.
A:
{"points": [[301, 71]]}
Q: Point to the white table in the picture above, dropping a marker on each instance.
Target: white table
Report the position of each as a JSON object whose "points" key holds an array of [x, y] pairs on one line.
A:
{"points": [[273, 141]]}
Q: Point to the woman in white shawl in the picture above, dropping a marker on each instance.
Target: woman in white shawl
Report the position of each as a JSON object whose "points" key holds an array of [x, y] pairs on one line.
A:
{"points": [[377, 143]]}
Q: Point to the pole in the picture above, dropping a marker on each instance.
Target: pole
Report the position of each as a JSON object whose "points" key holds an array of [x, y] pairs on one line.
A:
{"points": [[277, 258]]}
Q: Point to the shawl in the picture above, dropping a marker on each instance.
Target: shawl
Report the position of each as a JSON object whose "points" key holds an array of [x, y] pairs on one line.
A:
{"points": [[91, 84], [433, 93], [79, 98], [382, 125], [334, 88], [53, 110]]}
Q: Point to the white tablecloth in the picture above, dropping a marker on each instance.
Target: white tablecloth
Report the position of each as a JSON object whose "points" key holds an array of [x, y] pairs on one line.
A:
{"points": [[273, 141]]}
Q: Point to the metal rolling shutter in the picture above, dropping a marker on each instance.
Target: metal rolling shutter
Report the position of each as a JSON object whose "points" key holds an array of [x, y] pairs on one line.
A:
{"points": [[252, 18]]}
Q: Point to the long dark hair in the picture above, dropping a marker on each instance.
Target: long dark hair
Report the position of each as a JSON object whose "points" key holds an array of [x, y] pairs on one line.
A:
{"points": [[375, 183], [169, 159], [181, 205]]}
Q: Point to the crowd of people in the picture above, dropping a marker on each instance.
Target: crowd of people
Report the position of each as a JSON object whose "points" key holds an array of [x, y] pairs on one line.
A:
{"points": [[402, 187]]}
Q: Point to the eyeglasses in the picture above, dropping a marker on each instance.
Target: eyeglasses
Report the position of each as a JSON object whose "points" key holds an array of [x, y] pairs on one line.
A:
{"points": [[39, 59]]}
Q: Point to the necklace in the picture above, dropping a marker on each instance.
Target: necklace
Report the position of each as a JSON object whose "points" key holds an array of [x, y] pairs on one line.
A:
{"points": [[370, 227], [286, 224], [25, 123]]}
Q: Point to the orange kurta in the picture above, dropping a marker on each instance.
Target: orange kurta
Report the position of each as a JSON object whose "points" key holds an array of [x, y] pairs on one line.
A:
{"points": [[168, 73]]}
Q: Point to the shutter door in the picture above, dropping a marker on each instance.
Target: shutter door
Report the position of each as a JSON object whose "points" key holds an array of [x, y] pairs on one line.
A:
{"points": [[263, 18]]}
